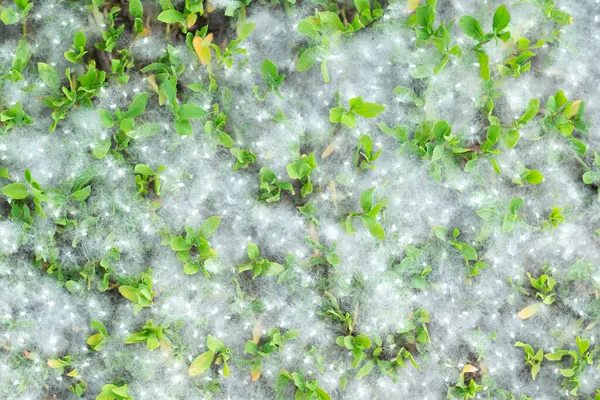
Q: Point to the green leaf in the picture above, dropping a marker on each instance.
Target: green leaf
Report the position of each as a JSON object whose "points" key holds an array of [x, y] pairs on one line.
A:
{"points": [[512, 138], [191, 111], [136, 8], [531, 111], [210, 226], [368, 110], [9, 16], [16, 191], [362, 5], [252, 251], [138, 105], [143, 169], [171, 17], [366, 199], [214, 344], [106, 119], [335, 114], [349, 120], [179, 244], [471, 28], [534, 177], [501, 19], [376, 231], [307, 58], [101, 148], [365, 370], [129, 292], [49, 76], [201, 363], [333, 259], [82, 194]]}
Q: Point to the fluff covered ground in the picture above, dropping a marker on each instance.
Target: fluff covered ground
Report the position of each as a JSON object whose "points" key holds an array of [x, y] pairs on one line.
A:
{"points": [[253, 200]]}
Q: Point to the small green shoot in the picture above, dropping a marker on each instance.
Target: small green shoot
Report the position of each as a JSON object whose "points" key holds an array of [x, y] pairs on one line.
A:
{"points": [[368, 215], [259, 266], [217, 353], [273, 81], [357, 107], [301, 170]]}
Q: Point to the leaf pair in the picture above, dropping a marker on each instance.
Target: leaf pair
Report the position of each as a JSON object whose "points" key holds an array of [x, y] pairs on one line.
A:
{"points": [[368, 215], [357, 107]]}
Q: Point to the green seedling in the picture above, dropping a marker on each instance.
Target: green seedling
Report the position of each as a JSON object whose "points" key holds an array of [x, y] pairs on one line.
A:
{"points": [[462, 390], [124, 120], [136, 9], [80, 387], [365, 14], [331, 309], [243, 158], [271, 187], [368, 215], [75, 56], [114, 392], [272, 80], [414, 331], [15, 117], [411, 265], [112, 35], [550, 11], [259, 266], [225, 56], [592, 176], [468, 252], [216, 127], [555, 218], [357, 107], [530, 176], [544, 285], [11, 16], [323, 254], [186, 18], [423, 24], [274, 342], [81, 91], [182, 113], [564, 116], [532, 358], [519, 62], [217, 353], [60, 364], [22, 193], [580, 359], [326, 26], [139, 292], [365, 157], [119, 65], [146, 177], [308, 390], [512, 217], [97, 340], [301, 170], [407, 95], [194, 250], [150, 334], [357, 344], [19, 63], [168, 67], [472, 28], [309, 212]]}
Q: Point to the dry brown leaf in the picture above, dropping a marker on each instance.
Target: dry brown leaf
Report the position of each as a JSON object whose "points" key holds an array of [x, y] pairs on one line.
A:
{"points": [[529, 311], [469, 368], [202, 48], [411, 5], [328, 150]]}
